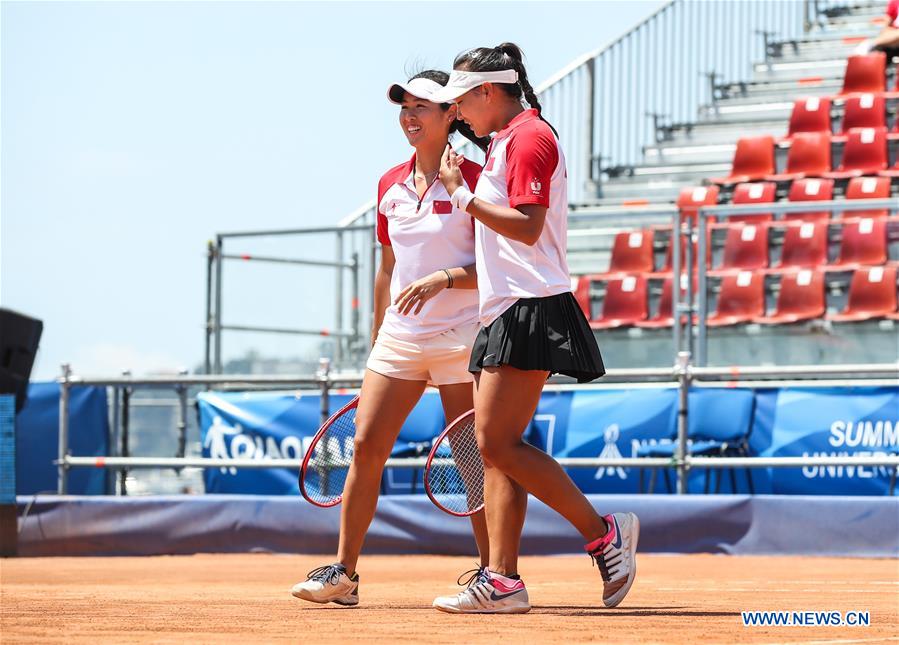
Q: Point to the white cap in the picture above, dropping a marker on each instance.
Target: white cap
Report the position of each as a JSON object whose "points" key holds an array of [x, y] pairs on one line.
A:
{"points": [[423, 88], [461, 82]]}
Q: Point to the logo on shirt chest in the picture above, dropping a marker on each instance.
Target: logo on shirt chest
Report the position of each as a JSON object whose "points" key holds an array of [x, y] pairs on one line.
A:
{"points": [[442, 207]]}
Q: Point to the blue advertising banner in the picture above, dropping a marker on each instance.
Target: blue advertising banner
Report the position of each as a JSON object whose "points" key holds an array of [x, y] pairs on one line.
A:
{"points": [[37, 442], [604, 423], [800, 422], [595, 423], [269, 425]]}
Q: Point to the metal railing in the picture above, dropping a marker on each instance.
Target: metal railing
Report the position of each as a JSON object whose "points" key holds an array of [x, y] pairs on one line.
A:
{"points": [[355, 241], [683, 374]]}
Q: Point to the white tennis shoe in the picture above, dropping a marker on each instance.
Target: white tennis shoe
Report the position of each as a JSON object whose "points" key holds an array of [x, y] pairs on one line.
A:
{"points": [[615, 555], [487, 595], [329, 584]]}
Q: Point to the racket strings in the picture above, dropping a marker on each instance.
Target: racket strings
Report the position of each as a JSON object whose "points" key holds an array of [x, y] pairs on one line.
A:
{"points": [[456, 475], [332, 455]]}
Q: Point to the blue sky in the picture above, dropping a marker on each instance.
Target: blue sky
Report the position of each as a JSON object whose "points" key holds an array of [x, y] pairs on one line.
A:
{"points": [[133, 132]]}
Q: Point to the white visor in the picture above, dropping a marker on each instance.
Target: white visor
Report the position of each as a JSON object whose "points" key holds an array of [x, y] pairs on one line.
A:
{"points": [[462, 82], [423, 88]]}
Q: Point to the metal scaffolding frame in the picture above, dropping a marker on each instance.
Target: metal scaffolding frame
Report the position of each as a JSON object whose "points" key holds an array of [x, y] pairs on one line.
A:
{"points": [[347, 340]]}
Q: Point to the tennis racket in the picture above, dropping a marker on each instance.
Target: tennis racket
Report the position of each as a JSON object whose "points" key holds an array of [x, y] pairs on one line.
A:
{"points": [[454, 472], [328, 458]]}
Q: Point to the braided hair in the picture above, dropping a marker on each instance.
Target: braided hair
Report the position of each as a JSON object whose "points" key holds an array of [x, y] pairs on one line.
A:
{"points": [[501, 57], [457, 126]]}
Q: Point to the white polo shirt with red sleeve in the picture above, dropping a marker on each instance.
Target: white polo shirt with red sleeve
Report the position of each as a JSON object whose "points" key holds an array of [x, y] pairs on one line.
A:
{"points": [[426, 235], [893, 12], [524, 165]]}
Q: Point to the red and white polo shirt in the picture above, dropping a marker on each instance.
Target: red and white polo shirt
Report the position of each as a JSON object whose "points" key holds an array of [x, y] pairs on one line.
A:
{"points": [[893, 12], [524, 165], [427, 235]]}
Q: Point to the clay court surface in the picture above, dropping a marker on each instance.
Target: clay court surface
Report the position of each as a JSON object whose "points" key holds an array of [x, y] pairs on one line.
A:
{"points": [[207, 598]]}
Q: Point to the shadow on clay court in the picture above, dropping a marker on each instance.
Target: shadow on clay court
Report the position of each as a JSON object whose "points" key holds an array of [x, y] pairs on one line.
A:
{"points": [[562, 610], [592, 610]]}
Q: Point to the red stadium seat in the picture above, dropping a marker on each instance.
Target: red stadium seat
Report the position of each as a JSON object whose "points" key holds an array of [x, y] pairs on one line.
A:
{"points": [[810, 190], [624, 304], [742, 299], [690, 199], [810, 114], [582, 295], [867, 188], [809, 156], [804, 245], [865, 153], [801, 298], [664, 316], [745, 247], [632, 252], [863, 111], [872, 294], [864, 242], [760, 193], [753, 160], [865, 74]]}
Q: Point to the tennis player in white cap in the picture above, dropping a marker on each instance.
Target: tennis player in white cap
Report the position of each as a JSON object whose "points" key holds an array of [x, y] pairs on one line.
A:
{"points": [[426, 319]]}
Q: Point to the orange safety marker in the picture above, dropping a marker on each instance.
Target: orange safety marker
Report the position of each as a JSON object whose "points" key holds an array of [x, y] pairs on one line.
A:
{"points": [[811, 80]]}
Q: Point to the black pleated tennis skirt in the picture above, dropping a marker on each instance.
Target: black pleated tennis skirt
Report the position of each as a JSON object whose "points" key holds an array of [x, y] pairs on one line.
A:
{"points": [[548, 333]]}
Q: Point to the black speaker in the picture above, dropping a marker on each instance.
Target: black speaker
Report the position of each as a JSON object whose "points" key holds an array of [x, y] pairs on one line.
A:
{"points": [[19, 339]]}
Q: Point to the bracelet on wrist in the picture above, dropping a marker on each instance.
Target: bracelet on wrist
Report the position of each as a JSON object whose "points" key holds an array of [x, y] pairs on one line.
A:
{"points": [[449, 279]]}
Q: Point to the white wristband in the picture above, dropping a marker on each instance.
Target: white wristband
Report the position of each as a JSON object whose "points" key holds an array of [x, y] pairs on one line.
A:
{"points": [[461, 198]]}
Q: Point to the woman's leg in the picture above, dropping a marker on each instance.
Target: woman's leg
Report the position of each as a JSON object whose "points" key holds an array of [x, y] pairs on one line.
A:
{"points": [[384, 404], [505, 509], [505, 403], [458, 399]]}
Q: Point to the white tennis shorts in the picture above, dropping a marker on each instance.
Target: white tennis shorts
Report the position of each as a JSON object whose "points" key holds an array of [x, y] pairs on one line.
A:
{"points": [[439, 360]]}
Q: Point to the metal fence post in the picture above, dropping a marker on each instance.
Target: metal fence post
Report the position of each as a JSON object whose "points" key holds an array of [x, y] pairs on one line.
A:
{"points": [[324, 375], [217, 368], [113, 438], [338, 302], [125, 449], [182, 417], [689, 261], [702, 300], [713, 77], [61, 467], [590, 107], [354, 305], [682, 369], [373, 253], [207, 355], [677, 303]]}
